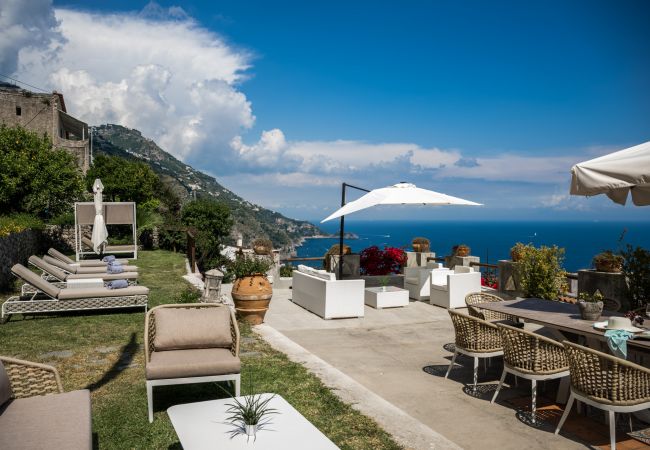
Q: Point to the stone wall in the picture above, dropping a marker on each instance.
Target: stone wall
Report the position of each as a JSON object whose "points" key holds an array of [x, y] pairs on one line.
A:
{"points": [[16, 248], [59, 237]]}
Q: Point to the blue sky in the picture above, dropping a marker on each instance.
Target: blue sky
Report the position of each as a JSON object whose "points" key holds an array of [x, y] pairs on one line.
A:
{"points": [[491, 101]]}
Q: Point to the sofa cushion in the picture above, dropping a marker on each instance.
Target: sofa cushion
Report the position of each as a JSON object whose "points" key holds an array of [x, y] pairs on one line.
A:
{"points": [[102, 270], [55, 421], [412, 280], [68, 294], [200, 362], [5, 385], [183, 328]]}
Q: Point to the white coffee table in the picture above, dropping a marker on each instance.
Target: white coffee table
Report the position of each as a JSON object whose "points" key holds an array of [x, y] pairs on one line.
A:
{"points": [[203, 425], [85, 283], [388, 297]]}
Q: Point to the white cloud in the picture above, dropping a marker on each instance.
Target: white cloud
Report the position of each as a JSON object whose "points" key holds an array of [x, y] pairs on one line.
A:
{"points": [[157, 71]]}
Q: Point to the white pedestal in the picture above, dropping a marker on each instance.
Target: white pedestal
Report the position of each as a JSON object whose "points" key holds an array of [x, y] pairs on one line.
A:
{"points": [[85, 283], [203, 426], [391, 297]]}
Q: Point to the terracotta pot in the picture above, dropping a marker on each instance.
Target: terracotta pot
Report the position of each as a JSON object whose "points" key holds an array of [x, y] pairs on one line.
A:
{"points": [[252, 296], [420, 248], [262, 250], [462, 251], [590, 310], [610, 266]]}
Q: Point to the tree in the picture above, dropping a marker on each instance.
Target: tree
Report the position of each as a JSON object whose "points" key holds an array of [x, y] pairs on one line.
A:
{"points": [[34, 178], [212, 222], [123, 180]]}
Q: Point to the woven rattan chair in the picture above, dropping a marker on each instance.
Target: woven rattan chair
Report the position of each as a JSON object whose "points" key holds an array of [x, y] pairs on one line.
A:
{"points": [[605, 382], [533, 357], [29, 378], [475, 338], [475, 298], [183, 347]]}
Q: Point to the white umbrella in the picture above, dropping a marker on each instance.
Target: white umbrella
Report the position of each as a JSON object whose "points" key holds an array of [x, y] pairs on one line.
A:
{"points": [[615, 175], [100, 233], [399, 194]]}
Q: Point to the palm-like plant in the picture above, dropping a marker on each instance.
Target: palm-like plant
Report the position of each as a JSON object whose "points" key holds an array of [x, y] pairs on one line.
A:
{"points": [[251, 413]]}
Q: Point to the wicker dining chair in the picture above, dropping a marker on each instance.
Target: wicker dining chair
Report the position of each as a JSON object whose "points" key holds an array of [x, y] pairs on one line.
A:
{"points": [[533, 357], [605, 382], [473, 299], [475, 338]]}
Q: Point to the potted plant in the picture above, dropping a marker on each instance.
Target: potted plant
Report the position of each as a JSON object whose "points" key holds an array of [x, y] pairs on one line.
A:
{"points": [[375, 261], [421, 245], [263, 246], [251, 290], [251, 413], [334, 251], [461, 250], [608, 261], [517, 252], [383, 282], [590, 305]]}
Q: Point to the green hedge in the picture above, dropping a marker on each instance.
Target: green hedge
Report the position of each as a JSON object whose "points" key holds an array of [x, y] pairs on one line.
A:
{"points": [[16, 223]]}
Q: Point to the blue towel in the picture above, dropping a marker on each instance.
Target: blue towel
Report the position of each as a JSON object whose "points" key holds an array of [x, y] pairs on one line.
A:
{"points": [[117, 284], [617, 342], [114, 268], [108, 258]]}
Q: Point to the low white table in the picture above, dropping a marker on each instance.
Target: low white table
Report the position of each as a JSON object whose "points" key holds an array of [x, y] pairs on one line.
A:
{"points": [[85, 283], [203, 425], [389, 297]]}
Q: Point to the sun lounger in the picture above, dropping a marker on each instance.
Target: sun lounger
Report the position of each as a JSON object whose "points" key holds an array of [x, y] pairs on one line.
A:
{"points": [[71, 268], [59, 278], [61, 300], [54, 253]]}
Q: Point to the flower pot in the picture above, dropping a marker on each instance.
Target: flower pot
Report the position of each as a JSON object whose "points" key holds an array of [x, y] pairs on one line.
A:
{"points": [[590, 310], [252, 296], [420, 248], [251, 430], [609, 266], [462, 251], [262, 250]]}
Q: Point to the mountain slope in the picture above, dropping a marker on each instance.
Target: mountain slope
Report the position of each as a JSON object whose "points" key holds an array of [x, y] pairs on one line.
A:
{"points": [[252, 221]]}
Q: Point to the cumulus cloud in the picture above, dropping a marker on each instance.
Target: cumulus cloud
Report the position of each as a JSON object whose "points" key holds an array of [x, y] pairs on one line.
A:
{"points": [[157, 70]]}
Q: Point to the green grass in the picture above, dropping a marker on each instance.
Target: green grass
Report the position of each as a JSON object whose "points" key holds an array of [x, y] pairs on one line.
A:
{"points": [[107, 357]]}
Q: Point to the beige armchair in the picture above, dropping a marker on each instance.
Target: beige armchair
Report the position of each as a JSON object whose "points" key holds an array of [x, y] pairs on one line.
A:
{"points": [[190, 343]]}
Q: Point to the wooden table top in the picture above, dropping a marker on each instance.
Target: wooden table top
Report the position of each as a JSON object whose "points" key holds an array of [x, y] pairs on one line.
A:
{"points": [[558, 315]]}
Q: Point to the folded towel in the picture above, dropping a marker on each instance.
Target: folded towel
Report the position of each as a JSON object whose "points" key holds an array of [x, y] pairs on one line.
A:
{"points": [[617, 342], [117, 284], [114, 268], [108, 258]]}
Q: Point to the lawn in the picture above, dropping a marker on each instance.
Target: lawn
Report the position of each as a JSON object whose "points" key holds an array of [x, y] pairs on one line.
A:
{"points": [[103, 352]]}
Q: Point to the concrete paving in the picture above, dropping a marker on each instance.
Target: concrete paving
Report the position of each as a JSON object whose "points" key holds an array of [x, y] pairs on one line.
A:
{"points": [[401, 355]]}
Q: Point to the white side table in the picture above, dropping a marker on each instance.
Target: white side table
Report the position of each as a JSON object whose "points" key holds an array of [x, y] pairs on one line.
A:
{"points": [[388, 297], [85, 283], [203, 425]]}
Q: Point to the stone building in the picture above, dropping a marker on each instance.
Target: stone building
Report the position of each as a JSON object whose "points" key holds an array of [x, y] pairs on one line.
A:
{"points": [[45, 114]]}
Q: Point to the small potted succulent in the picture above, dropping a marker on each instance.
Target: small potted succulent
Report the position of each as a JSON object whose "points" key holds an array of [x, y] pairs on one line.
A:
{"points": [[608, 261], [590, 305], [383, 282], [421, 245], [461, 250], [251, 413], [262, 246], [517, 252]]}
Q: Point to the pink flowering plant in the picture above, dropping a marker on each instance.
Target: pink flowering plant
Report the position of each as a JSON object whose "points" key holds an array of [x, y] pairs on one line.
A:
{"points": [[375, 261]]}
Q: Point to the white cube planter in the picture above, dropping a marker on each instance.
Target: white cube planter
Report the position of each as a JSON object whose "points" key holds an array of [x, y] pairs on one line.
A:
{"points": [[389, 297]]}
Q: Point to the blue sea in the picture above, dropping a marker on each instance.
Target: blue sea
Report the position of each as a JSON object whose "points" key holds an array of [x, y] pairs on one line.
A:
{"points": [[490, 241]]}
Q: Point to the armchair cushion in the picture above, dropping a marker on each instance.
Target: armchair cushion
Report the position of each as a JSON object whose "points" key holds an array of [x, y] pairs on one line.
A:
{"points": [[192, 363], [178, 328], [5, 386], [58, 421]]}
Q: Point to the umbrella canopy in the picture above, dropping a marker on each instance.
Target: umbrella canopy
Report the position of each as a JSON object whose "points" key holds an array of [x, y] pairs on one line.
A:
{"points": [[399, 194], [615, 175], [100, 233]]}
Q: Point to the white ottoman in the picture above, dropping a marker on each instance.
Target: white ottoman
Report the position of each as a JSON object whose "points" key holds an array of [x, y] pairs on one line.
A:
{"points": [[388, 297]]}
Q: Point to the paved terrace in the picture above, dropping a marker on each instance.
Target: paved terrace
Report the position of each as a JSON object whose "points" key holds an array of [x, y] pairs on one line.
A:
{"points": [[401, 356]]}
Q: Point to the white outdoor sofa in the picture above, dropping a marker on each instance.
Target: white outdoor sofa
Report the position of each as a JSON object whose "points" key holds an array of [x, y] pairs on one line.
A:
{"points": [[417, 280], [449, 287], [320, 292]]}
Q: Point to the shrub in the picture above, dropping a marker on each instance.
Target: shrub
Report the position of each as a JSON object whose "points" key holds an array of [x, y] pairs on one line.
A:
{"points": [[63, 219], [123, 180], [541, 271], [34, 178], [286, 270], [246, 266], [375, 261], [212, 222], [636, 268], [17, 223]]}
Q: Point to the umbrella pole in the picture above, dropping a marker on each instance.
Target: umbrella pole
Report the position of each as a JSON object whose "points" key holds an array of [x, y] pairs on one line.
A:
{"points": [[341, 230]]}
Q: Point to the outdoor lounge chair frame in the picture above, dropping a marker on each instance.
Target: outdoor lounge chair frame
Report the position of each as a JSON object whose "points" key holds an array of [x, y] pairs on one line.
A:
{"points": [[37, 304], [115, 213], [150, 335]]}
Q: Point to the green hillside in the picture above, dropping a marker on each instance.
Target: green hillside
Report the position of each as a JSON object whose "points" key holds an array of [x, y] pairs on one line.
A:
{"points": [[251, 220]]}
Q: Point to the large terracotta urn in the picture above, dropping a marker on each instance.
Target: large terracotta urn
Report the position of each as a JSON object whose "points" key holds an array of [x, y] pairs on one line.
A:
{"points": [[252, 296]]}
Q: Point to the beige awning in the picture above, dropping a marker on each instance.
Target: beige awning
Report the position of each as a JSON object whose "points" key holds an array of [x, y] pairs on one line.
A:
{"points": [[74, 126]]}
